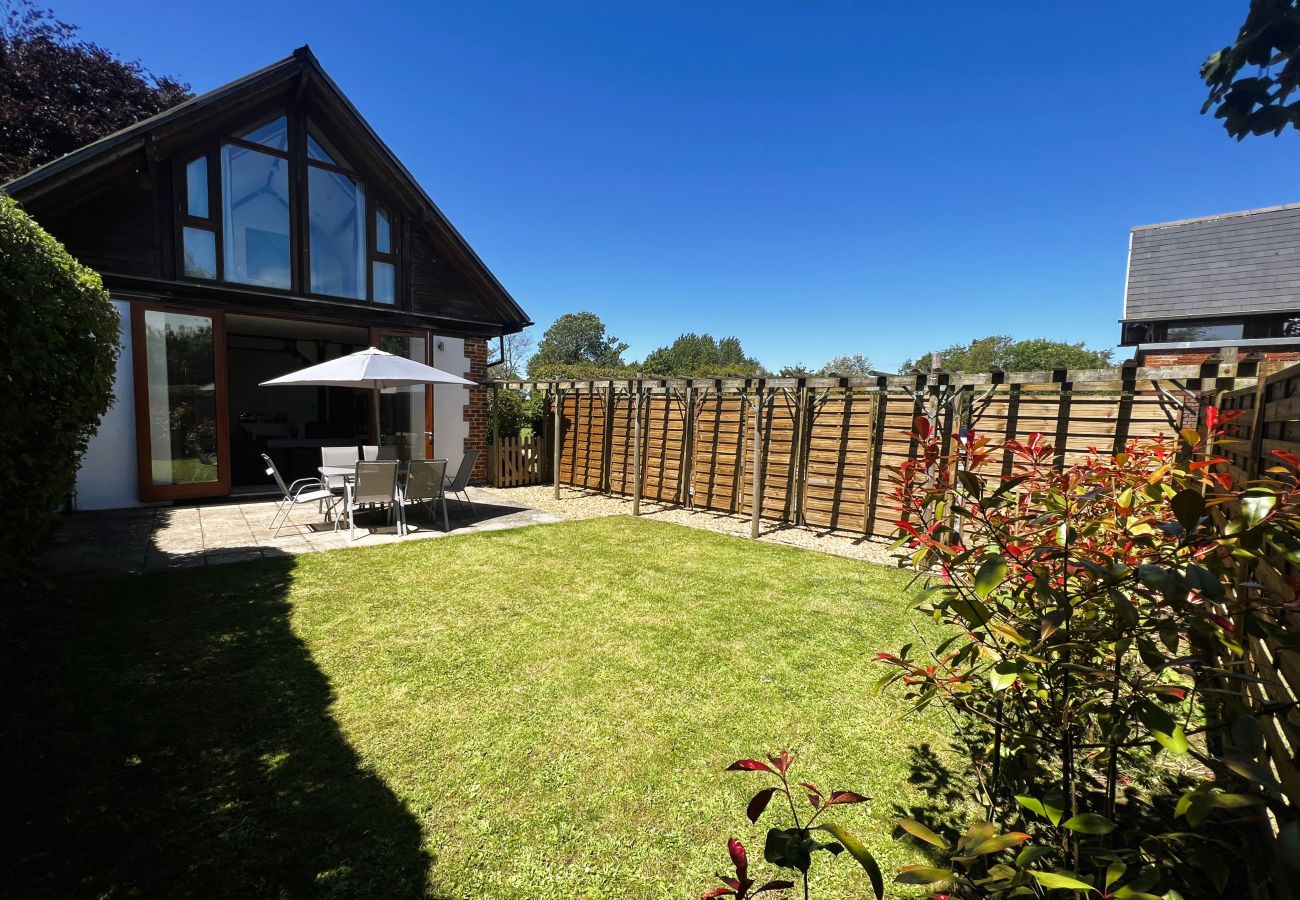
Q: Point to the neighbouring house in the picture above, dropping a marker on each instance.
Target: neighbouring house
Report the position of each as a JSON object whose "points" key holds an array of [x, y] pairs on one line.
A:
{"points": [[1220, 286], [255, 230]]}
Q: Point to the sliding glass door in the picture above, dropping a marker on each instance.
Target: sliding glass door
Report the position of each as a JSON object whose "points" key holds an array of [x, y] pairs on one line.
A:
{"points": [[179, 358], [406, 414]]}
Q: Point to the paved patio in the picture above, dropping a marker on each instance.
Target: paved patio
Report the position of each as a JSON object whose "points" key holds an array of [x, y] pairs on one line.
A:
{"points": [[120, 542]]}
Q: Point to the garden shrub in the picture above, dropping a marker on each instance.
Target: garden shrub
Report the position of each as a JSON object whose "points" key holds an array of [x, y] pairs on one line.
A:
{"points": [[1099, 619], [58, 354]]}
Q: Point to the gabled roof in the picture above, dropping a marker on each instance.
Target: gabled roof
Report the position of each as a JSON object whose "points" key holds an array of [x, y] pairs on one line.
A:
{"points": [[303, 70]]}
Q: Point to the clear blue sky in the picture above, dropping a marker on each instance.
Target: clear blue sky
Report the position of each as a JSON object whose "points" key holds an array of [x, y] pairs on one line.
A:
{"points": [[816, 178]]}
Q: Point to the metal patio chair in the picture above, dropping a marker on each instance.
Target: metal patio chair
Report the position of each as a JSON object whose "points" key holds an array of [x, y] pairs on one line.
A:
{"points": [[376, 483], [458, 484], [304, 490], [337, 456], [424, 487]]}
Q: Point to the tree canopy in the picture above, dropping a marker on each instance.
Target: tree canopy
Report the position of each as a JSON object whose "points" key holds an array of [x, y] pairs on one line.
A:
{"points": [[1268, 46], [700, 354], [1003, 352], [58, 92], [511, 366], [851, 365], [576, 346]]}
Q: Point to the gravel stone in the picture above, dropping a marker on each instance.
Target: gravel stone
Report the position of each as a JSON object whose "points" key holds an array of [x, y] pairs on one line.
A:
{"points": [[579, 504]]}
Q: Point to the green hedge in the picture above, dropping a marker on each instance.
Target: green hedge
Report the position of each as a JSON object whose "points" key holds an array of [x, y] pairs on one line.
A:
{"points": [[58, 354]]}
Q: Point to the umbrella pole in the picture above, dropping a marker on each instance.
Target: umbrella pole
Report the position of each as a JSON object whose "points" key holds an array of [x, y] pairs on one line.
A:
{"points": [[374, 415]]}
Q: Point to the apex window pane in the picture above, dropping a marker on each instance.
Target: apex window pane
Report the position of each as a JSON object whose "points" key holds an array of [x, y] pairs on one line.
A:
{"points": [[337, 207], [255, 210], [196, 187], [321, 149], [385, 286], [383, 233], [200, 252], [274, 134]]}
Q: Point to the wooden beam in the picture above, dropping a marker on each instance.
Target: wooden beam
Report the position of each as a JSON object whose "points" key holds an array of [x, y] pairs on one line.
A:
{"points": [[755, 492], [636, 453], [555, 462]]}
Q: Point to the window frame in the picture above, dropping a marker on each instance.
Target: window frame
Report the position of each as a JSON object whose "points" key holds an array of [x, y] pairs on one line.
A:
{"points": [[296, 117]]}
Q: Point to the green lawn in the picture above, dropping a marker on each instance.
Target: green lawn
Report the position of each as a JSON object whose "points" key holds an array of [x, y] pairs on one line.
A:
{"points": [[542, 712]]}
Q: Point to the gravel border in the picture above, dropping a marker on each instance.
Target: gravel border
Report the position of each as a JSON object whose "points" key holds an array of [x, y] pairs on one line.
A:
{"points": [[578, 504]]}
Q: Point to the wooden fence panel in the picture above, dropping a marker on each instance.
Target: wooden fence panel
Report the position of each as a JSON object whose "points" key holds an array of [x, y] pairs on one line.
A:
{"points": [[837, 470], [718, 453], [582, 440], [777, 481], [896, 411], [622, 464], [1270, 420], [663, 434]]}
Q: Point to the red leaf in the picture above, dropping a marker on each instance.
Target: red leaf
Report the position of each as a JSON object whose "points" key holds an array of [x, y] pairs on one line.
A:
{"points": [[848, 796], [781, 760], [738, 858], [717, 892], [775, 886], [1289, 458], [922, 427], [759, 803], [748, 765], [1211, 418]]}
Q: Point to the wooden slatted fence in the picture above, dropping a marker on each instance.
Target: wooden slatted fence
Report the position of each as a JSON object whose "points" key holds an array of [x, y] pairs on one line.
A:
{"points": [[826, 447], [1270, 420]]}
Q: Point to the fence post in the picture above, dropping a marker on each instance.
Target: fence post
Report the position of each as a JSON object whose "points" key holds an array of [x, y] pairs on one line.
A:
{"points": [[755, 490], [636, 451], [555, 460], [688, 446], [799, 450]]}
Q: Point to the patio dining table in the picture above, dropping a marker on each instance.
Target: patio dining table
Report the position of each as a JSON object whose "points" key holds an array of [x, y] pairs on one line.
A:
{"points": [[349, 476]]}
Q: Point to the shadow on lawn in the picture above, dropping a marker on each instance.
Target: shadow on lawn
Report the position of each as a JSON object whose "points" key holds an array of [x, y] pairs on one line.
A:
{"points": [[168, 735]]}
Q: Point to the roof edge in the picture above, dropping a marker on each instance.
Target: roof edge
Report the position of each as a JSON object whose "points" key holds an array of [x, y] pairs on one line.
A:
{"points": [[1218, 216]]}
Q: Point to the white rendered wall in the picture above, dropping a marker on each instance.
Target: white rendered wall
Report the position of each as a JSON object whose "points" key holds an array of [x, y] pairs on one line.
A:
{"points": [[449, 401], [107, 478]]}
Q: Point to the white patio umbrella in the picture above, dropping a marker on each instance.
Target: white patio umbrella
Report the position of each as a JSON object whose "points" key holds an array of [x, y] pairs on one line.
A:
{"points": [[372, 368]]}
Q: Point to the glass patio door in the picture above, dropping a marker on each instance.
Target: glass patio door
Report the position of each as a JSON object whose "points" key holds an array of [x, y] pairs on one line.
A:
{"points": [[406, 414], [182, 447]]}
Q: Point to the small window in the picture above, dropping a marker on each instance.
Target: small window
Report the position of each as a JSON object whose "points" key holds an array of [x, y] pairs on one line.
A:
{"points": [[200, 253], [274, 134], [196, 188], [1204, 331], [385, 282], [383, 232]]}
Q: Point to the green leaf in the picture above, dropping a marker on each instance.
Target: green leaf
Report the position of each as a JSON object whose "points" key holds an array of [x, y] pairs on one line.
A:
{"points": [[998, 843], [1003, 675], [1256, 504], [1114, 872], [1175, 742], [917, 830], [989, 575], [859, 852], [1188, 506], [922, 875], [1124, 608], [1051, 807], [1090, 823], [789, 848], [975, 613], [1061, 881], [971, 482], [1252, 770]]}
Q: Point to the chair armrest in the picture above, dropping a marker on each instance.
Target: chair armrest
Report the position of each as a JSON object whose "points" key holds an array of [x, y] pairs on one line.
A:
{"points": [[306, 484]]}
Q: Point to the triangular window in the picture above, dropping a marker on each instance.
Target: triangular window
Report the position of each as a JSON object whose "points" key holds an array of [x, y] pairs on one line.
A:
{"points": [[273, 134], [321, 150]]}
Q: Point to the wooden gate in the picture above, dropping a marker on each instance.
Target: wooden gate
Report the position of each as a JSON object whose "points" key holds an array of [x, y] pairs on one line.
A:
{"points": [[519, 461]]}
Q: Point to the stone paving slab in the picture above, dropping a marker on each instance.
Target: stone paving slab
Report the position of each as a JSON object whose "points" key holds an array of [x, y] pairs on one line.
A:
{"points": [[121, 542]]}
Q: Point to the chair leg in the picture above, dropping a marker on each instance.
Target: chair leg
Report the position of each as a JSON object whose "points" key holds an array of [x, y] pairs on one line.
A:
{"points": [[446, 524], [352, 525]]}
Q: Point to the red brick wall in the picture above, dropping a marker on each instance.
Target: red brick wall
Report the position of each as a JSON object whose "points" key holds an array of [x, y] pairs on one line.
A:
{"points": [[476, 410], [1196, 357]]}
